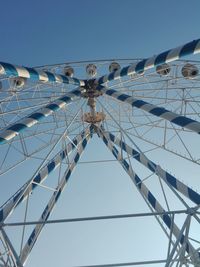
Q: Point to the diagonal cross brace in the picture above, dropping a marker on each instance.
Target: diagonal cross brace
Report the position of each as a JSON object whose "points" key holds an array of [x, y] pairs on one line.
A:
{"points": [[28, 187], [32, 119], [167, 177], [145, 64], [52, 202], [149, 196], [36, 75]]}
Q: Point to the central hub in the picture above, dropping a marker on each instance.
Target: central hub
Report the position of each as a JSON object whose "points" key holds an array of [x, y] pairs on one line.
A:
{"points": [[91, 92], [91, 89]]}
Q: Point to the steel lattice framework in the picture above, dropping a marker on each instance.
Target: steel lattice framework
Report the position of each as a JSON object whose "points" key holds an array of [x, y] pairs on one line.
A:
{"points": [[143, 106]]}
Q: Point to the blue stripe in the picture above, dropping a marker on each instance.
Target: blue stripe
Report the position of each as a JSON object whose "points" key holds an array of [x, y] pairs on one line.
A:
{"points": [[68, 175], [140, 66], [194, 196], [10, 69], [112, 138], [152, 199], [126, 165], [36, 116], [105, 140], [17, 127], [167, 220], [182, 121], [110, 92], [124, 71], [76, 158], [115, 152], [33, 74], [57, 195], [111, 76], [1, 215], [84, 143], [188, 48], [138, 181], [122, 144], [157, 111], [171, 180], [51, 166], [53, 107], [37, 179], [161, 58], [136, 155], [151, 166], [45, 212], [101, 80], [65, 79], [138, 103], [31, 237], [51, 76], [65, 98], [63, 153], [123, 97], [75, 142]]}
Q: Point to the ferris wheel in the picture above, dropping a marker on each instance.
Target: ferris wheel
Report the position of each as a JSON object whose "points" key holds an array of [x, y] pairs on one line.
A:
{"points": [[145, 112]]}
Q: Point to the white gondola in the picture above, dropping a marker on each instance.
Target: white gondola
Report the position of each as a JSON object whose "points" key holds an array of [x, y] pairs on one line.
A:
{"points": [[163, 69], [91, 70], [189, 71], [18, 82], [68, 71], [114, 66]]}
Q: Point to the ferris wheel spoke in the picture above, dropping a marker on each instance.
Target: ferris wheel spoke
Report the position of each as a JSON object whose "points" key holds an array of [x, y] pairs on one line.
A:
{"points": [[149, 196], [142, 134], [156, 110], [42, 174], [47, 211], [33, 119], [36, 75], [165, 57], [45, 139], [152, 166], [33, 154]]}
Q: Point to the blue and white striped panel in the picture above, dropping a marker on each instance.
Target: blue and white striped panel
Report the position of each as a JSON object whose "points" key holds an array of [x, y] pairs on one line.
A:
{"points": [[161, 112], [145, 64], [23, 192], [146, 193], [27, 122], [167, 177], [47, 211], [37, 75]]}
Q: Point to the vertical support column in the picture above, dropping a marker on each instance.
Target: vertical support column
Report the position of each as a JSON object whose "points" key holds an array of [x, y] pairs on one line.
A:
{"points": [[150, 198], [51, 204], [167, 177], [28, 187]]}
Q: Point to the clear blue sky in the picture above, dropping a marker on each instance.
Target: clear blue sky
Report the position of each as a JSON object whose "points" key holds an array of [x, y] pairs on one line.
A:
{"points": [[44, 32]]}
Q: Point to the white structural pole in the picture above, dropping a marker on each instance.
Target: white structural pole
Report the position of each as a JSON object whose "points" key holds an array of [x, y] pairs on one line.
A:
{"points": [[52, 202]]}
